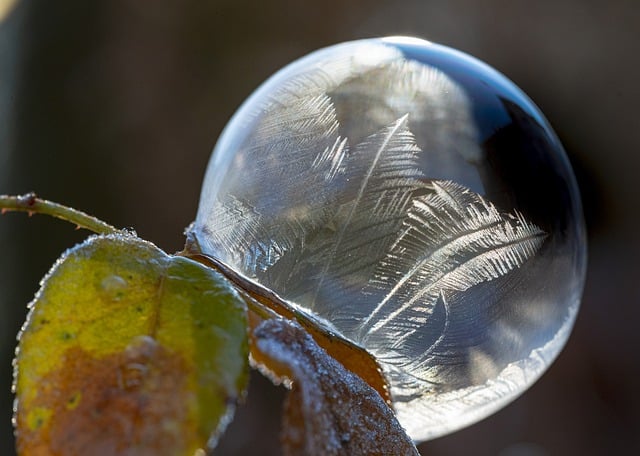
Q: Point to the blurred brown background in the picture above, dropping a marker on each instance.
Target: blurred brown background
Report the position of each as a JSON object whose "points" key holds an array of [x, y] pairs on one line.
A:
{"points": [[113, 106]]}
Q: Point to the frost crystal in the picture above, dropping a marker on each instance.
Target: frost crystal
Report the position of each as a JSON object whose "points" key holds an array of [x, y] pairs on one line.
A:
{"points": [[381, 186]]}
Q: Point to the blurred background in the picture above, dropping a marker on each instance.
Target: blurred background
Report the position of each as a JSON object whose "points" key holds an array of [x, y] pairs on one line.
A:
{"points": [[113, 107]]}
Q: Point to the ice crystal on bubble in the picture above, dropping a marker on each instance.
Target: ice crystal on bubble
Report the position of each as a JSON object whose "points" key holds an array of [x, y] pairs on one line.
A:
{"points": [[417, 202]]}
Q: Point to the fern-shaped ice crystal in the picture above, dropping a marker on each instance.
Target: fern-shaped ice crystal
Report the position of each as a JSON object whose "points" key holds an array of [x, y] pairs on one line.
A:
{"points": [[356, 233]]}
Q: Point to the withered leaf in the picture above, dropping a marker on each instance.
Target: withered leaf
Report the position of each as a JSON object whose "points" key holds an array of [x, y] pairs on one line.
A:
{"points": [[129, 351], [329, 411], [353, 357]]}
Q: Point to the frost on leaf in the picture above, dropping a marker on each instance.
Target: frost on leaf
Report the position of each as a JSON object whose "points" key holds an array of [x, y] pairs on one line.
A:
{"points": [[329, 411]]}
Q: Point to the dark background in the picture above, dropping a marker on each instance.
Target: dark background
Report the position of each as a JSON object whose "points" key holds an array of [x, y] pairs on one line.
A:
{"points": [[113, 107]]}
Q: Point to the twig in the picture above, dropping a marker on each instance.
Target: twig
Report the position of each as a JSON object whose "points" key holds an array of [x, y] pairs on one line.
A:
{"points": [[31, 204]]}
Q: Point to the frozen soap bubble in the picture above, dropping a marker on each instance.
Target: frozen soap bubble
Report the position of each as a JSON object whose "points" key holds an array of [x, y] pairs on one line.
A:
{"points": [[414, 200]]}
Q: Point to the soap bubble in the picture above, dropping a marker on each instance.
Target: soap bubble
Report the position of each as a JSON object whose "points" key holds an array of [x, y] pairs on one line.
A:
{"points": [[414, 200]]}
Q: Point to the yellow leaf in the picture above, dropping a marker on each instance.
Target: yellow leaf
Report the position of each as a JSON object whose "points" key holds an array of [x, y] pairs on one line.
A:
{"points": [[128, 350]]}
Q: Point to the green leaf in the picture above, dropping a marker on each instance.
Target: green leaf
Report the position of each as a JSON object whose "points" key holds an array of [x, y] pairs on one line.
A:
{"points": [[128, 350]]}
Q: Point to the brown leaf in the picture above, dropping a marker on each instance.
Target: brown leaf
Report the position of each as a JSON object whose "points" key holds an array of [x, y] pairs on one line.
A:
{"points": [[354, 358], [115, 396], [330, 411]]}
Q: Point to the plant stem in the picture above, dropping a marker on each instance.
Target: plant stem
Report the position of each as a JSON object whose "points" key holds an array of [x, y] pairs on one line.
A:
{"points": [[31, 204]]}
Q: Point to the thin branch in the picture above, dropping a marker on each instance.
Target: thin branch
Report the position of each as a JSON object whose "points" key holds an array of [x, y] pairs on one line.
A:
{"points": [[31, 204]]}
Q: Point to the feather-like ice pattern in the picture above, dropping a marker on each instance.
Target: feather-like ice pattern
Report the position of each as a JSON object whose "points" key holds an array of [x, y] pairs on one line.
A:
{"points": [[439, 117], [379, 177], [451, 240], [334, 187], [330, 220], [295, 152], [255, 225]]}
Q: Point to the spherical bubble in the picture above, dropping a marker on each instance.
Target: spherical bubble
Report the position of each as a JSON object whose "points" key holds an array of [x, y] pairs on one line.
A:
{"points": [[416, 201]]}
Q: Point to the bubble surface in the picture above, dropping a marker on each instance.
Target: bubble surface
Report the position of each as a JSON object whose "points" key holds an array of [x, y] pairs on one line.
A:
{"points": [[413, 199]]}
